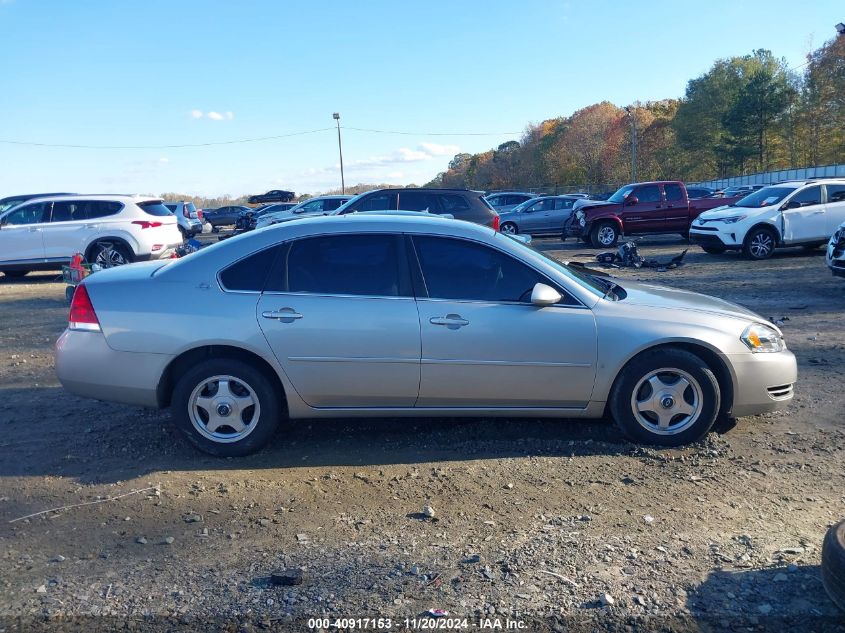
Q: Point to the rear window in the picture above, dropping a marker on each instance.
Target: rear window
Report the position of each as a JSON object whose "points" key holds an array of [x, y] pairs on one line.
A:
{"points": [[155, 207]]}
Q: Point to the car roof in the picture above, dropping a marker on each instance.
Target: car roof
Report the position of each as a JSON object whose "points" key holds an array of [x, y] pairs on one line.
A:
{"points": [[96, 196]]}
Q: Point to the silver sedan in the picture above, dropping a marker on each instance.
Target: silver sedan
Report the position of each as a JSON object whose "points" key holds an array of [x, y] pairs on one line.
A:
{"points": [[391, 315]]}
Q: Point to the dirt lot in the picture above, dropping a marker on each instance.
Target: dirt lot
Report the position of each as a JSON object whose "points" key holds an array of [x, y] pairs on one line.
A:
{"points": [[551, 524]]}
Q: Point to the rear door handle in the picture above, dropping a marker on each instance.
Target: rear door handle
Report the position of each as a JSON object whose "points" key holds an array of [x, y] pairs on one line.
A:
{"points": [[451, 321], [285, 315], [34, 230]]}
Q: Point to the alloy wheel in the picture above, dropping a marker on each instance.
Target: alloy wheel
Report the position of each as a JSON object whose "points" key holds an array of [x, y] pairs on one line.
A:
{"points": [[761, 244], [666, 401], [109, 256], [607, 235], [224, 409]]}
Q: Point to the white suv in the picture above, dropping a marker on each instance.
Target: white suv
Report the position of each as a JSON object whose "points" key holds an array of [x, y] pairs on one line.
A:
{"points": [[44, 233], [800, 213]]}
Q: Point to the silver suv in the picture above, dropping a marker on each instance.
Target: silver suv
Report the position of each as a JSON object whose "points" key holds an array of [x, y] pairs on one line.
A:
{"points": [[187, 218]]}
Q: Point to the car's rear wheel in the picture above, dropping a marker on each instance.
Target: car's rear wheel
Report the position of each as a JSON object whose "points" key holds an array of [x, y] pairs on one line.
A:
{"points": [[509, 228], [833, 564], [15, 274], [714, 250], [109, 254], [604, 235], [759, 243], [667, 397], [226, 407]]}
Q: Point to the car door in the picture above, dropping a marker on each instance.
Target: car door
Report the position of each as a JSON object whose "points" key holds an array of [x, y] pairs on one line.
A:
{"points": [[803, 217], [834, 207], [484, 344], [340, 316], [21, 233], [675, 208], [535, 218], [560, 214], [70, 229], [647, 214]]}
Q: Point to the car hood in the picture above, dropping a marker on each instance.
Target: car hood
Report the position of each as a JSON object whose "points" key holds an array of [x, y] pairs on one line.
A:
{"points": [[724, 211], [655, 296], [583, 204]]}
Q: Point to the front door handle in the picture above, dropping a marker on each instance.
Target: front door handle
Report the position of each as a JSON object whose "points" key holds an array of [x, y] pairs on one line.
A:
{"points": [[451, 321], [285, 315], [91, 226]]}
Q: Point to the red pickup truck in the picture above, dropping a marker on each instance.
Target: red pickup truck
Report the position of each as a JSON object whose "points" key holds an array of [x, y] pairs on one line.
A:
{"points": [[642, 208]]}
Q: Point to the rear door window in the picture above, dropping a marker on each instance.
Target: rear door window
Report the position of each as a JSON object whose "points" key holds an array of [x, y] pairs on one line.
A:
{"points": [[419, 201], [363, 265], [673, 192], [835, 193], [95, 209], [453, 203], [384, 201], [250, 273], [564, 203]]}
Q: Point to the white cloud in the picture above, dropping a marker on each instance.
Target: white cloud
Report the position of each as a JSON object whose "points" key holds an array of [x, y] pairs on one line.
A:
{"points": [[435, 149], [215, 116], [196, 114], [164, 159], [396, 175], [211, 114]]}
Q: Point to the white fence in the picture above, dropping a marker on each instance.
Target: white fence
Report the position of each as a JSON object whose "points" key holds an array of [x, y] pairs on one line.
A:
{"points": [[768, 177]]}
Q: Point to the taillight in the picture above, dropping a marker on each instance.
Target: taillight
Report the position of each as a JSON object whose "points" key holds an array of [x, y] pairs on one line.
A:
{"points": [[144, 224], [82, 315], [496, 223], [200, 214]]}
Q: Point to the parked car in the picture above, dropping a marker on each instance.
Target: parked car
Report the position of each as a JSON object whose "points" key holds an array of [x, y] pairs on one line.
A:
{"points": [[321, 205], [45, 233], [503, 201], [439, 318], [224, 216], [274, 195], [250, 218], [11, 201], [187, 217], [543, 214], [799, 213], [737, 191], [835, 257], [461, 204], [700, 192], [643, 208]]}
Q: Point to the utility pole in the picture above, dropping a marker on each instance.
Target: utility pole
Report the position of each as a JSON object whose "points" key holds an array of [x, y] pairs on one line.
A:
{"points": [[336, 117], [630, 112]]}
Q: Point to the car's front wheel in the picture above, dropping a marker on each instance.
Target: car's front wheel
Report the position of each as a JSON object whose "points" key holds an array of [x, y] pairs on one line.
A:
{"points": [[667, 397], [759, 243], [226, 407], [604, 235], [510, 228]]}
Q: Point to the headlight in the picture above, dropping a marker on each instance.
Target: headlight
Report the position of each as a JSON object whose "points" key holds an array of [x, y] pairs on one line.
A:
{"points": [[733, 219], [762, 338]]}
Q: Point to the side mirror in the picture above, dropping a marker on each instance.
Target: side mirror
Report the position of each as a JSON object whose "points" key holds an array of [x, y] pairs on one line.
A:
{"points": [[543, 295], [631, 201], [792, 204]]}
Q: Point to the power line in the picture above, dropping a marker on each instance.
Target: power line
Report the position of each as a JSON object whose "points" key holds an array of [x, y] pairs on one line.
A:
{"points": [[248, 140], [184, 145]]}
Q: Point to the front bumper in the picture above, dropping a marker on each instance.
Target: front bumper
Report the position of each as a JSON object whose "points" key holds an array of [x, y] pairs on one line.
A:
{"points": [[762, 382], [87, 366], [835, 258], [713, 237]]}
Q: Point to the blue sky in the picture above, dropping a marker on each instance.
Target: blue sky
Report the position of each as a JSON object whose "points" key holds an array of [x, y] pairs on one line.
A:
{"points": [[175, 72]]}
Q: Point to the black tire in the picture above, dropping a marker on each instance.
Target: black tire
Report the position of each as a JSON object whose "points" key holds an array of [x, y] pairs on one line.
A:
{"points": [[760, 243], [631, 385], [250, 381], [108, 253], [714, 250], [684, 236], [184, 233], [509, 227], [15, 274], [833, 564], [215, 229], [604, 235]]}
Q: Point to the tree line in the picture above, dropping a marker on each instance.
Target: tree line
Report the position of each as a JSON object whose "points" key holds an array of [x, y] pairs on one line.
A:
{"points": [[746, 114]]}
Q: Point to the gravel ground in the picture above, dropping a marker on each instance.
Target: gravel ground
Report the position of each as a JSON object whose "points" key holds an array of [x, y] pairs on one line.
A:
{"points": [[536, 524]]}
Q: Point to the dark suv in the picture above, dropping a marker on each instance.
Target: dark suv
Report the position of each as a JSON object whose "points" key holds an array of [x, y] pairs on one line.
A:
{"points": [[461, 204]]}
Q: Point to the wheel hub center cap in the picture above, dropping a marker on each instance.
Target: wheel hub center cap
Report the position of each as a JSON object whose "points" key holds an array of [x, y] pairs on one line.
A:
{"points": [[224, 409], [667, 402]]}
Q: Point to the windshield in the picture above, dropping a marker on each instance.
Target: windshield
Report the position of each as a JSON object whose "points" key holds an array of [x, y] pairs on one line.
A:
{"points": [[621, 194], [10, 203], [342, 208], [765, 197], [594, 284]]}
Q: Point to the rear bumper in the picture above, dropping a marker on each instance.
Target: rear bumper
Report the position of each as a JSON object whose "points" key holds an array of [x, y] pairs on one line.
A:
{"points": [[762, 382], [87, 366]]}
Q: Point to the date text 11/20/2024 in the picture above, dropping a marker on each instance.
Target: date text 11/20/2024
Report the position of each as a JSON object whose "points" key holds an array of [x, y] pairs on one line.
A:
{"points": [[418, 623]]}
